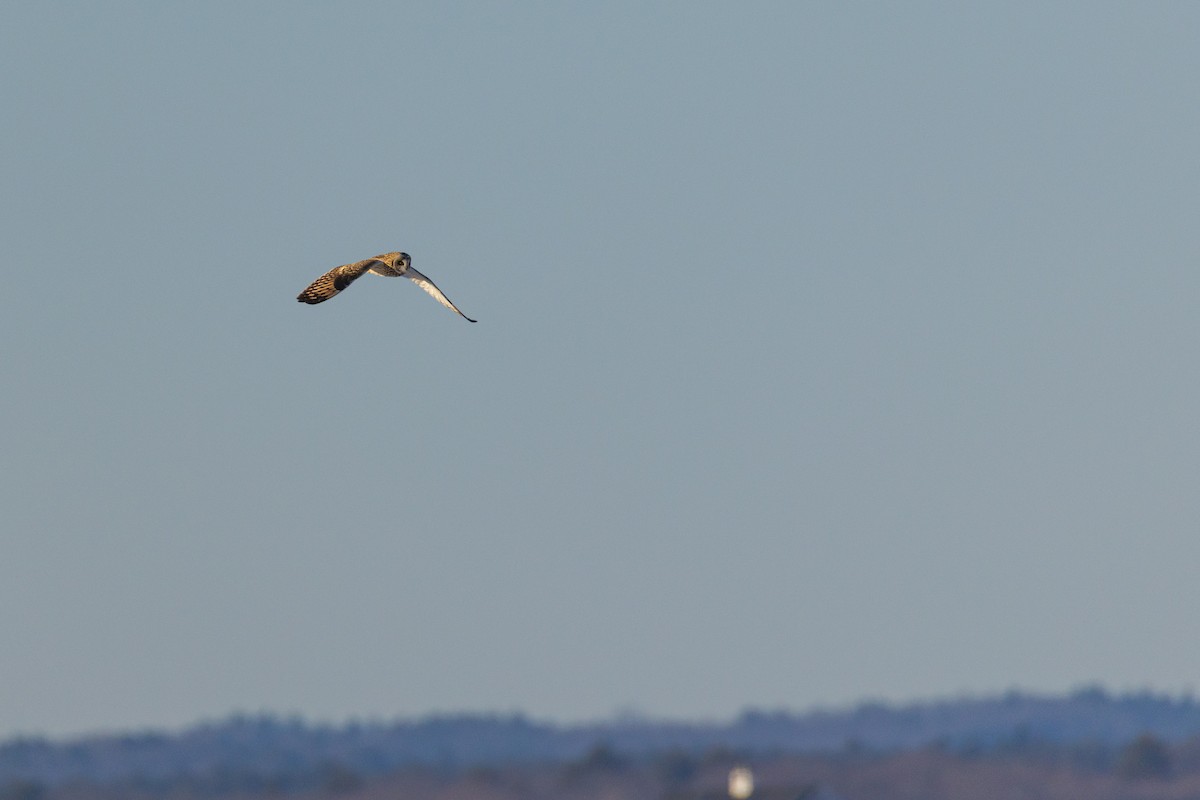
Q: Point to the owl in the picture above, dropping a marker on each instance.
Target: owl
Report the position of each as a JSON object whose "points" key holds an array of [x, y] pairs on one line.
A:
{"points": [[389, 265]]}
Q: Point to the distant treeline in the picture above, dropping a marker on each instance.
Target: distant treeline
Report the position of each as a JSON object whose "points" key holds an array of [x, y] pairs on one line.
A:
{"points": [[252, 753]]}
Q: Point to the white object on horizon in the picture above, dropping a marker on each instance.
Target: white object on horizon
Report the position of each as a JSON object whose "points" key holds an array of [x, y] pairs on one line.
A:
{"points": [[741, 783]]}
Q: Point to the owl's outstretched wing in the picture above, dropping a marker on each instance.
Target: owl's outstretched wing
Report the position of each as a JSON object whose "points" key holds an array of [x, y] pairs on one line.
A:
{"points": [[333, 282], [434, 291]]}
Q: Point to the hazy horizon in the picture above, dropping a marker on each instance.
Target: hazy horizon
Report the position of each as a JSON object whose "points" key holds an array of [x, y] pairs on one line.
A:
{"points": [[824, 353], [626, 716]]}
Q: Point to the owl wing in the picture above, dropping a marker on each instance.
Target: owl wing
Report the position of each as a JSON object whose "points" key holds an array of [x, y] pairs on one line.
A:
{"points": [[430, 287], [334, 281]]}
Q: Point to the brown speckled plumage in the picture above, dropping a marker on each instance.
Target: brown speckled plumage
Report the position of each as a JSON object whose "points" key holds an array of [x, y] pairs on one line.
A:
{"points": [[333, 282], [389, 265]]}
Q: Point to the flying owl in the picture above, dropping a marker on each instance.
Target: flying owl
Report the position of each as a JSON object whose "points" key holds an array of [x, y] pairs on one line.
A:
{"points": [[389, 265]]}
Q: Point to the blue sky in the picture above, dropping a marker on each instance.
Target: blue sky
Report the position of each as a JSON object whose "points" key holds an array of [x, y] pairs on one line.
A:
{"points": [[826, 352]]}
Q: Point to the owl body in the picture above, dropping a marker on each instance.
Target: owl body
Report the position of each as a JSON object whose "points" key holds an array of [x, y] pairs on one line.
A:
{"points": [[388, 265]]}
